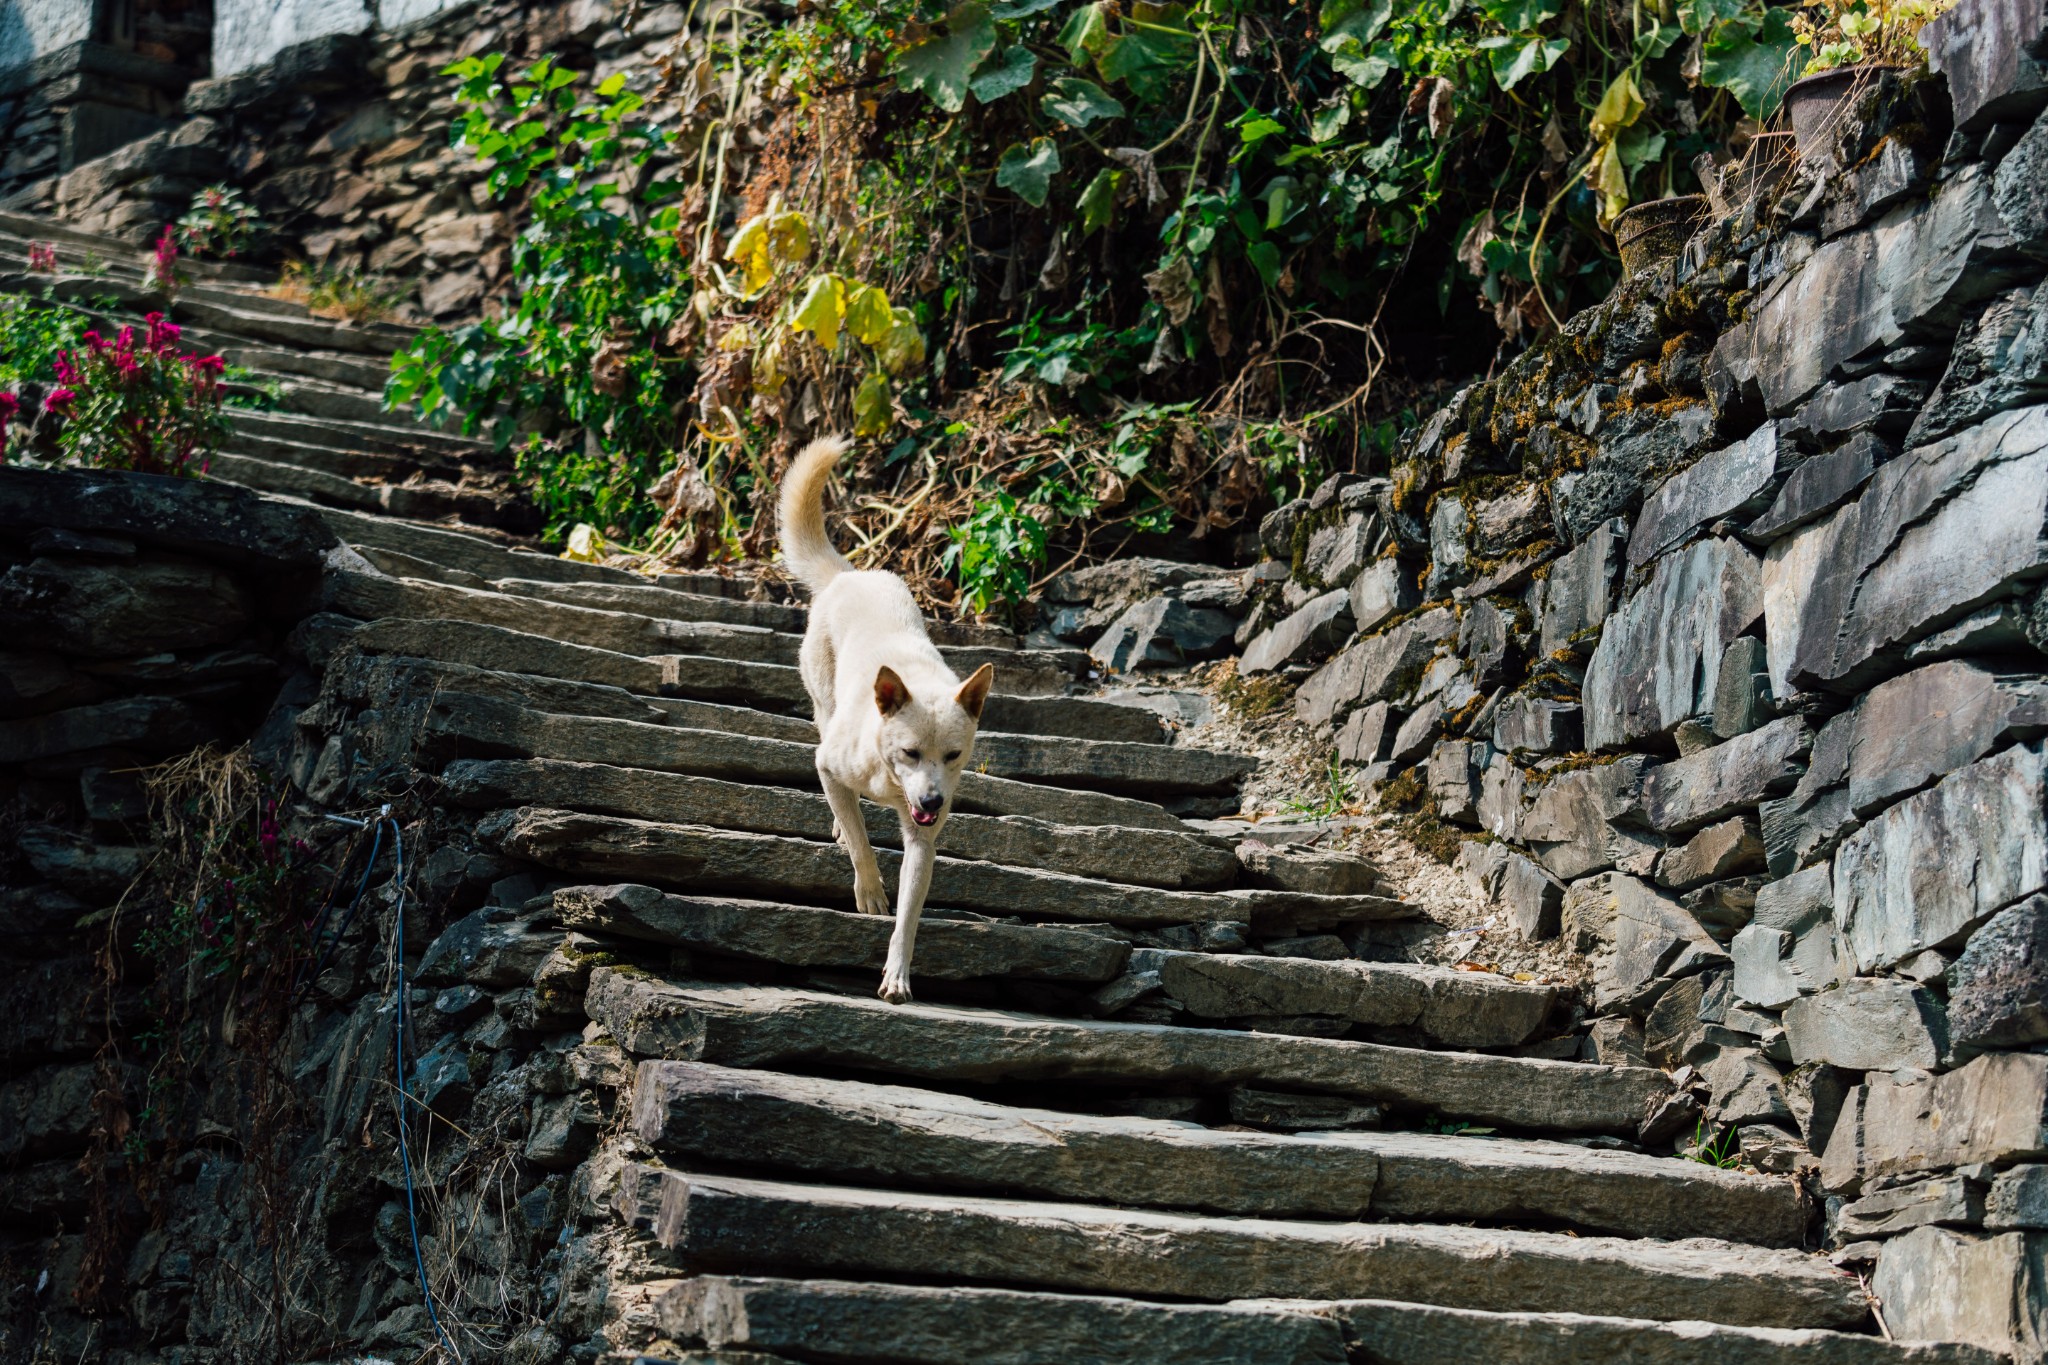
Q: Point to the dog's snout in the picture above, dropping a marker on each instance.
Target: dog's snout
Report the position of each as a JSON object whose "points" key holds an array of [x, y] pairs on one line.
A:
{"points": [[931, 801]]}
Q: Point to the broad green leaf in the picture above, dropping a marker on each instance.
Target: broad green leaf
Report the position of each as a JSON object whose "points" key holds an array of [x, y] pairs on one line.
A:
{"points": [[1351, 61], [1097, 203], [1515, 57], [902, 350], [1753, 67], [1007, 72], [1330, 120], [1155, 46], [1258, 128], [1360, 20], [1520, 16], [939, 65], [1028, 168], [1085, 33], [868, 315], [1265, 258], [1620, 105], [821, 309], [1078, 103], [1697, 16], [1639, 145], [1657, 40], [1279, 194], [871, 411], [611, 85], [1022, 9]]}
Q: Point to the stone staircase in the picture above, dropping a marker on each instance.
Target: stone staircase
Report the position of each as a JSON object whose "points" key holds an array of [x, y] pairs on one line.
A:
{"points": [[1154, 1102]]}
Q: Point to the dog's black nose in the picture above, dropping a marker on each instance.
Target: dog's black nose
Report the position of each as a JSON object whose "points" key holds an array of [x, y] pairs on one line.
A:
{"points": [[931, 801]]}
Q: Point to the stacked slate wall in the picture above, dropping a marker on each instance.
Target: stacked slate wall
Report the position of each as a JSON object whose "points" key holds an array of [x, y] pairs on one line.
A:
{"points": [[1715, 626]]}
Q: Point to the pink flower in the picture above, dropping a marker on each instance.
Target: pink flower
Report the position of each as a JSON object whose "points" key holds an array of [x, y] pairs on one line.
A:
{"points": [[59, 397], [10, 406]]}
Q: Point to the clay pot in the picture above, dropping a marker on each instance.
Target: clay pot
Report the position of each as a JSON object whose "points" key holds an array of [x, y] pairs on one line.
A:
{"points": [[1815, 104], [1647, 234]]}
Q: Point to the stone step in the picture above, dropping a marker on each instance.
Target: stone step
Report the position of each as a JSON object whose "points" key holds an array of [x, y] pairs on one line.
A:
{"points": [[781, 750], [762, 1026], [363, 465], [1459, 1009], [734, 1225], [352, 371], [701, 858], [386, 436], [1140, 857], [887, 1135], [422, 500], [372, 596], [774, 687], [460, 725], [468, 553], [805, 936], [931, 1325], [238, 318]]}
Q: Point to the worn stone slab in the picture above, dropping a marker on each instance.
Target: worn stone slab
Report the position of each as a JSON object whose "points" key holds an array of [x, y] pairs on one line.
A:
{"points": [[1950, 1199], [1580, 822], [1990, 1291], [1634, 935], [804, 936], [702, 858], [1990, 51], [1728, 849], [1912, 730], [1462, 1009], [152, 725], [1788, 948], [1376, 667], [648, 599], [198, 516], [1659, 659], [1142, 857], [1382, 590], [1536, 725], [1321, 624], [2000, 359], [1994, 1110], [761, 1026], [1388, 1333], [726, 1224], [1868, 1025], [1927, 871], [1717, 485], [1713, 783], [1817, 487], [925, 1325], [1584, 586], [466, 553], [1936, 534], [2018, 1199], [1998, 988], [880, 1134]]}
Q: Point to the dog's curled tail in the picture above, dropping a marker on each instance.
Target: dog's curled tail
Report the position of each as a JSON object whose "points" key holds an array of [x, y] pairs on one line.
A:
{"points": [[806, 549]]}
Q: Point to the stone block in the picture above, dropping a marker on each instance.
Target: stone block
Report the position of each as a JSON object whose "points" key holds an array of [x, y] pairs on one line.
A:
{"points": [[1531, 897], [2018, 1199], [1501, 798], [1630, 453], [1993, 1110], [1998, 988], [1990, 1291], [1868, 1025], [1511, 522], [1381, 590], [2020, 190], [1659, 660], [1816, 1093], [1164, 632], [1926, 872], [1536, 725], [1616, 1042], [2000, 362], [1991, 52], [1719, 484], [1450, 554], [1453, 779], [1742, 692], [1362, 739], [1376, 668], [1715, 782], [1745, 1085], [1911, 730], [1572, 823], [1882, 403], [1728, 849], [1818, 486], [1584, 586], [1635, 936], [1953, 1200], [107, 610], [1416, 733], [1307, 634], [1812, 821], [1483, 640], [1335, 554], [1934, 535]]}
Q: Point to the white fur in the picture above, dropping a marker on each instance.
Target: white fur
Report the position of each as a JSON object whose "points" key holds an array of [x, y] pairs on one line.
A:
{"points": [[894, 724]]}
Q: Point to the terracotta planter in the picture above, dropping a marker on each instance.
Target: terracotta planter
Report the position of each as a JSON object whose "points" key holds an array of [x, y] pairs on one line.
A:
{"points": [[1647, 234], [1815, 104], [1763, 163]]}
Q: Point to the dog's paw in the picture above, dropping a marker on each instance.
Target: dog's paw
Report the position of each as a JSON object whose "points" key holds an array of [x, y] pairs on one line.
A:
{"points": [[896, 987], [870, 897]]}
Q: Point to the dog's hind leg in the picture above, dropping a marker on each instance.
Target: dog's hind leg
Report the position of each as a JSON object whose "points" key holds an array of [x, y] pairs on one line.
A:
{"points": [[919, 853], [870, 896]]}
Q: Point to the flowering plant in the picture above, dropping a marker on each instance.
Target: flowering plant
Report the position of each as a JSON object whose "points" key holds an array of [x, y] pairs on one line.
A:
{"points": [[138, 403], [219, 223], [42, 257], [10, 408], [161, 274], [1838, 33]]}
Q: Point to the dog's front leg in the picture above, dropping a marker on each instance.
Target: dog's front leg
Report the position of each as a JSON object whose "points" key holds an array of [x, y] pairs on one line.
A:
{"points": [[919, 852], [870, 896]]}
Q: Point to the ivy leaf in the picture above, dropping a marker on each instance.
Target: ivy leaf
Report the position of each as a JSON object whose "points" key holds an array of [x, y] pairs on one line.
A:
{"points": [[820, 310], [872, 414], [1516, 57], [1078, 103], [902, 350], [1097, 203], [1697, 16], [1265, 258], [1151, 51], [1360, 20], [1754, 67], [1522, 16], [1330, 120], [1022, 9], [1620, 105], [868, 315], [1351, 61], [1660, 39], [1009, 72], [939, 65], [1085, 34], [1028, 168]]}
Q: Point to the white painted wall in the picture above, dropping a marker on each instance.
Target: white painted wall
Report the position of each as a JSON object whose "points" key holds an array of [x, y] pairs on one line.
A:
{"points": [[30, 28], [248, 33]]}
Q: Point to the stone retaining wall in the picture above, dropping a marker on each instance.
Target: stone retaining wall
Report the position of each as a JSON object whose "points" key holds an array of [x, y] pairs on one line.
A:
{"points": [[1715, 625]]}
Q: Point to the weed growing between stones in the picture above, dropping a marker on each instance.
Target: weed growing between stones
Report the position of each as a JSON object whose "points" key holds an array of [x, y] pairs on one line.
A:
{"points": [[345, 295], [220, 223], [1250, 698]]}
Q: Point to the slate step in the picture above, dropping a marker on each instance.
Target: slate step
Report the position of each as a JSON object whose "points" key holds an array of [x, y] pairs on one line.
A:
{"points": [[734, 1225], [1118, 853], [391, 436], [762, 1026], [805, 936], [243, 319], [759, 686], [925, 1325], [469, 553], [1156, 770], [894, 1136], [701, 858], [371, 596], [425, 500], [902, 1324]]}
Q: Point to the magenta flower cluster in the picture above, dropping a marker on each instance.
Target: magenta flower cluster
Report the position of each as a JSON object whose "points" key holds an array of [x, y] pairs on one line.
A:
{"points": [[136, 402], [42, 257]]}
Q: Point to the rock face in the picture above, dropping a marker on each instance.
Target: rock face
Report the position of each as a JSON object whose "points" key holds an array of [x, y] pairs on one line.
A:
{"points": [[1998, 995], [1659, 659]]}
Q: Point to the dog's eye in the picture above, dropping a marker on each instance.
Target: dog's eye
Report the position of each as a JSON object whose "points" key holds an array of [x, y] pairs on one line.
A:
{"points": [[952, 755], [912, 754]]}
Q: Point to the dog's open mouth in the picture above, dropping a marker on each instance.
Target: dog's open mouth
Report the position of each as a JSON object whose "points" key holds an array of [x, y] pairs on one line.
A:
{"points": [[924, 817]]}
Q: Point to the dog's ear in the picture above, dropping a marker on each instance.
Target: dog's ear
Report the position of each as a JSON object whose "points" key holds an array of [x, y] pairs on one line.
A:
{"points": [[973, 694], [891, 695]]}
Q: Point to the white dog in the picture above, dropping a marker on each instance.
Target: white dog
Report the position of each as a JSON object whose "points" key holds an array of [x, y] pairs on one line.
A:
{"points": [[894, 724]]}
